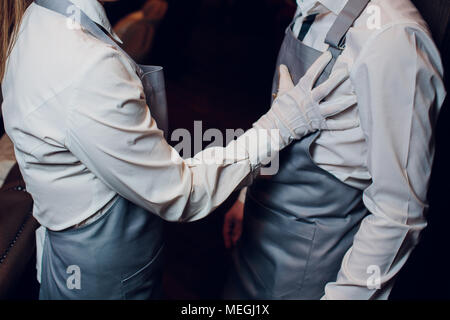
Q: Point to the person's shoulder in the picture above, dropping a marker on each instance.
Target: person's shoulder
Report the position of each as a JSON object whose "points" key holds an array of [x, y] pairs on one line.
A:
{"points": [[388, 20], [381, 15], [52, 58], [65, 46], [62, 52], [396, 12], [391, 29]]}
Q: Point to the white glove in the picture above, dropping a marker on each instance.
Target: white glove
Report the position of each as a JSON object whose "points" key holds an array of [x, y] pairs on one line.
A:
{"points": [[298, 110]]}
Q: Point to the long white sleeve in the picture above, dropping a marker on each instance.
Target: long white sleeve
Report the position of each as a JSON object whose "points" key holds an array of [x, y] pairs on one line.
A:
{"points": [[398, 81]]}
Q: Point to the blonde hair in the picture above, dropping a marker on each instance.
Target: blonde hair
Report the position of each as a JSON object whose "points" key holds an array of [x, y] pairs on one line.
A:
{"points": [[11, 13]]}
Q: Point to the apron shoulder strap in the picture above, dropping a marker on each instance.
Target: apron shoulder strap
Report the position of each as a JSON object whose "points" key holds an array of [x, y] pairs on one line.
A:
{"points": [[291, 25], [65, 8], [336, 36]]}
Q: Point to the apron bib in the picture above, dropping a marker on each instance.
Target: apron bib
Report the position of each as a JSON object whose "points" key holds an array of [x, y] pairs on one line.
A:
{"points": [[118, 256], [299, 223]]}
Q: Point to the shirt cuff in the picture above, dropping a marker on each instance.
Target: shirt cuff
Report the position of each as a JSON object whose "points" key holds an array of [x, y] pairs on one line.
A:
{"points": [[261, 145]]}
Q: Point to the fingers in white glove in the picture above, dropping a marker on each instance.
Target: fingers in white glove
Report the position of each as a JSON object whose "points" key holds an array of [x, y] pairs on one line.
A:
{"points": [[335, 106], [298, 109], [323, 90], [341, 125], [285, 81]]}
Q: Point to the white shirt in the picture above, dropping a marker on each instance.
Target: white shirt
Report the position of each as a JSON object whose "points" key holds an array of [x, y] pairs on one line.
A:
{"points": [[343, 153], [396, 73], [83, 134]]}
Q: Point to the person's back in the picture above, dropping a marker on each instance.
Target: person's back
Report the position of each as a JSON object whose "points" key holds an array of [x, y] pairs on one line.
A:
{"points": [[51, 56]]}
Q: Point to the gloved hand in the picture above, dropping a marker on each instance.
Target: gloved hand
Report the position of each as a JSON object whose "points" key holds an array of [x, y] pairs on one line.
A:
{"points": [[299, 110]]}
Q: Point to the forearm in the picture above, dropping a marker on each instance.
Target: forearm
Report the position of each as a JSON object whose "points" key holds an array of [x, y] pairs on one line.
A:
{"points": [[217, 172], [380, 249], [152, 174]]}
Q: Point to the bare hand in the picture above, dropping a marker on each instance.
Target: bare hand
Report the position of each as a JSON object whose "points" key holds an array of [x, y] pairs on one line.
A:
{"points": [[232, 227]]}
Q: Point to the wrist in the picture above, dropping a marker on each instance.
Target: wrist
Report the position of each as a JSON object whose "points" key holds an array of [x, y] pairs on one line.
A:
{"points": [[261, 145], [280, 133], [242, 195]]}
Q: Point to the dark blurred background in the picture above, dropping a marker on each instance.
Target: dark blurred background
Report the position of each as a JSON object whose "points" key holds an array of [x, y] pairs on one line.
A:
{"points": [[219, 58]]}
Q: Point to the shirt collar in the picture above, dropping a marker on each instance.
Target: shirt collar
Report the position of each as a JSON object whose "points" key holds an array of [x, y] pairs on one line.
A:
{"points": [[334, 6], [96, 12]]}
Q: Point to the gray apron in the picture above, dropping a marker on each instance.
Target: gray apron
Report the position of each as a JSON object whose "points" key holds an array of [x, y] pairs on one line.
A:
{"points": [[118, 256], [299, 223]]}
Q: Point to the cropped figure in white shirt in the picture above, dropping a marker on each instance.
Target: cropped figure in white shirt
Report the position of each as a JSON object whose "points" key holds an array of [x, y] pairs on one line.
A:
{"points": [[347, 230]]}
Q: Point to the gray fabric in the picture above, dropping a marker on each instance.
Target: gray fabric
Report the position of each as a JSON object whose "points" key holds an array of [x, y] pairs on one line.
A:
{"points": [[119, 256], [155, 92], [151, 76], [299, 223], [345, 20]]}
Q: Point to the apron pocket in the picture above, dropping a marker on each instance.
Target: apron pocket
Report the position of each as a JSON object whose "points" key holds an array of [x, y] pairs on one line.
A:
{"points": [[146, 283], [276, 249]]}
